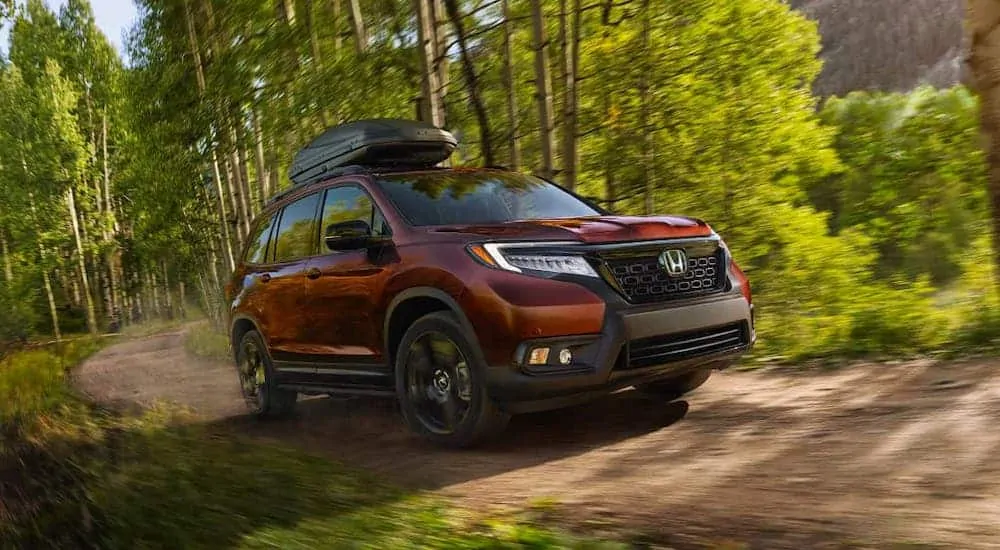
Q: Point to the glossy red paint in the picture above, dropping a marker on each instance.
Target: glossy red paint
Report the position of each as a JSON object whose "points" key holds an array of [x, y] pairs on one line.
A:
{"points": [[301, 308], [603, 229]]}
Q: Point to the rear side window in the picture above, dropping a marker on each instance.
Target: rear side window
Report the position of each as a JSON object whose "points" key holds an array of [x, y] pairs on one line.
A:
{"points": [[257, 250], [297, 230]]}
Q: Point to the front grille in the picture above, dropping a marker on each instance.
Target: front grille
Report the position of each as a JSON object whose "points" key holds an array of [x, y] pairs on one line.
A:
{"points": [[660, 350], [642, 279]]}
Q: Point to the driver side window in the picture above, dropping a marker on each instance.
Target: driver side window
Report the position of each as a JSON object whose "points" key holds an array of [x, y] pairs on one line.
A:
{"points": [[350, 203]]}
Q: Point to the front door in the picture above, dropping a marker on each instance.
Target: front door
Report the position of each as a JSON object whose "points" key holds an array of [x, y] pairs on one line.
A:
{"points": [[340, 288]]}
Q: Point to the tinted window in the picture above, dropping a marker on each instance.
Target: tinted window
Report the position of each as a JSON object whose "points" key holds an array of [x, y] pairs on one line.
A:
{"points": [[297, 230], [446, 198], [258, 242], [351, 203]]}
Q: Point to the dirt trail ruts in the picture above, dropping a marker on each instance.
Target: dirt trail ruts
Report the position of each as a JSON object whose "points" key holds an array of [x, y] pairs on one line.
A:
{"points": [[870, 453]]}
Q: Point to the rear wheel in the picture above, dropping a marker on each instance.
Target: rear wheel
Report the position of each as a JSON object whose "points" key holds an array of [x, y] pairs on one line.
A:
{"points": [[260, 390], [674, 388], [440, 382]]}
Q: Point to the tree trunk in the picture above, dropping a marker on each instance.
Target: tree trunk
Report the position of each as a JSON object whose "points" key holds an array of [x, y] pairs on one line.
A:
{"points": [[122, 290], [543, 89], [472, 83], [236, 196], [107, 172], [216, 176], [154, 304], [215, 272], [431, 84], [286, 16], [360, 35], [442, 62], [203, 287], [571, 54], [244, 160], [647, 136], [8, 269], [610, 194], [983, 24], [81, 262], [514, 141], [241, 187], [317, 54], [113, 302], [263, 183], [288, 10], [313, 33], [168, 298], [338, 37], [93, 145], [182, 303], [227, 249], [52, 300], [195, 49], [73, 283]]}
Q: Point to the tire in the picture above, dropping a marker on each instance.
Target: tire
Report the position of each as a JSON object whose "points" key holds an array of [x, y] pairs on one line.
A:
{"points": [[674, 388], [441, 384], [264, 398]]}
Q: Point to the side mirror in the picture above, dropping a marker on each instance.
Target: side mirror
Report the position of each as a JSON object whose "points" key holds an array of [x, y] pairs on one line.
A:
{"points": [[349, 235]]}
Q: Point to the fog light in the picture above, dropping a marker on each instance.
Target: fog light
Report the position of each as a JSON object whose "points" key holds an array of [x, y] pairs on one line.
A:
{"points": [[565, 356], [538, 356]]}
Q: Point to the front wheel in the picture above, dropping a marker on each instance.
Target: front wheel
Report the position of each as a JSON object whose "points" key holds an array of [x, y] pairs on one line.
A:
{"points": [[441, 386], [260, 389], [674, 388]]}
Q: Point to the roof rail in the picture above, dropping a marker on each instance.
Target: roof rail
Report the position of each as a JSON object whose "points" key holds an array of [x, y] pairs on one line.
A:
{"points": [[334, 173]]}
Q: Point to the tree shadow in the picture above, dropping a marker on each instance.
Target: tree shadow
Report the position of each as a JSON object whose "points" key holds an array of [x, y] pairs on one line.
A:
{"points": [[370, 433]]}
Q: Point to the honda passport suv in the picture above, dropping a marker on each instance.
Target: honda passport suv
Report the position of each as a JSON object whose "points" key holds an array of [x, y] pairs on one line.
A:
{"points": [[470, 295]]}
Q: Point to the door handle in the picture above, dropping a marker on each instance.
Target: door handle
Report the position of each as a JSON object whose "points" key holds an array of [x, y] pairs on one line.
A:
{"points": [[313, 273], [265, 277]]}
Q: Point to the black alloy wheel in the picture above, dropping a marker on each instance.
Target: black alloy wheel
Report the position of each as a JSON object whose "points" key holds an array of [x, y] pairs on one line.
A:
{"points": [[438, 385], [441, 383], [263, 397]]}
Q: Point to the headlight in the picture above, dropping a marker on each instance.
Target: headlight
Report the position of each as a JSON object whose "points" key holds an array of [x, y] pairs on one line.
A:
{"points": [[518, 257]]}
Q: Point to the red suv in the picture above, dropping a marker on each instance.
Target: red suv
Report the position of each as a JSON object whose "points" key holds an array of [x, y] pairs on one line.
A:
{"points": [[470, 294]]}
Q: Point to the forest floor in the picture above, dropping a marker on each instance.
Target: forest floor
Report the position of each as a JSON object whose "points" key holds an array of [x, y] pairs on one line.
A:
{"points": [[901, 455]]}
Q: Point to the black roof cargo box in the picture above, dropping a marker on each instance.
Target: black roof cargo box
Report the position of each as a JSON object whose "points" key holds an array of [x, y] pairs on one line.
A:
{"points": [[374, 142]]}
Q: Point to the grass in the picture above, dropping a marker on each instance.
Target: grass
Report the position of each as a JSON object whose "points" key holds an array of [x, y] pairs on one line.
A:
{"points": [[76, 476], [181, 486], [203, 341]]}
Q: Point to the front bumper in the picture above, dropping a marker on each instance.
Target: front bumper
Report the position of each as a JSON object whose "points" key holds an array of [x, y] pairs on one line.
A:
{"points": [[636, 345]]}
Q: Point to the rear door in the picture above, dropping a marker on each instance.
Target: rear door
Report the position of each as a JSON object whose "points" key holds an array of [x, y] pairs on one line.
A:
{"points": [[254, 271], [344, 330], [293, 243]]}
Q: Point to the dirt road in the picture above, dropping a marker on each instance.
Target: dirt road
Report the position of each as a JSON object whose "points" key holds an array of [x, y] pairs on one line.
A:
{"points": [[867, 454]]}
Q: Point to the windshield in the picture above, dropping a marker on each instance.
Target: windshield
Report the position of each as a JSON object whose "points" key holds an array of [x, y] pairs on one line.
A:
{"points": [[460, 198]]}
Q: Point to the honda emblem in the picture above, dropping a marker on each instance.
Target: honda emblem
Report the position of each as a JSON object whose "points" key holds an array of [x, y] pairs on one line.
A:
{"points": [[674, 262]]}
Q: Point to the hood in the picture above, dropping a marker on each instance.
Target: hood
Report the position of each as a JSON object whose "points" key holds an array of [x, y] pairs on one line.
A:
{"points": [[603, 229]]}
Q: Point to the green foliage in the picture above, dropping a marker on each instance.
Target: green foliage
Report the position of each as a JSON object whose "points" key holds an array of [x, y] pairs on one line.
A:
{"points": [[896, 321], [915, 180], [855, 220], [19, 315], [33, 382], [209, 343], [981, 329]]}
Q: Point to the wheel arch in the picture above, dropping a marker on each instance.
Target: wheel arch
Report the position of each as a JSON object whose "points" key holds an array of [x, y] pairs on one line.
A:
{"points": [[241, 325], [412, 304]]}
